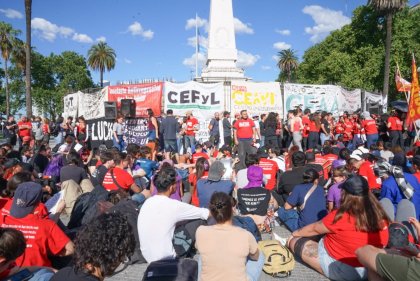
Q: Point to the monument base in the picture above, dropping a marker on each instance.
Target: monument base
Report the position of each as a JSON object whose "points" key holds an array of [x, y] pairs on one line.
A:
{"points": [[222, 74]]}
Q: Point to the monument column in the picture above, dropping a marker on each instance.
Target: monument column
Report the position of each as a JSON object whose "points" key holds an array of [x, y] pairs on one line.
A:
{"points": [[222, 53]]}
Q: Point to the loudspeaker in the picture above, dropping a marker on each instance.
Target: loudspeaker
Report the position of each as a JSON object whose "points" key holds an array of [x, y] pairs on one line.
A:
{"points": [[110, 110], [128, 107]]}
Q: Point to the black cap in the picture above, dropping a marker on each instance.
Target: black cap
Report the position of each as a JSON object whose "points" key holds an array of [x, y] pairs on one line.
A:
{"points": [[356, 185], [262, 152]]}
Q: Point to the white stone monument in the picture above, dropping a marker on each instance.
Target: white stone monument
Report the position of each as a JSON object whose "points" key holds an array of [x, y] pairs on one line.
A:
{"points": [[222, 53]]}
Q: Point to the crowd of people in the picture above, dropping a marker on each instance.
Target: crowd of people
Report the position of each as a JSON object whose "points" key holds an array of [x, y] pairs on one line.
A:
{"points": [[347, 188]]}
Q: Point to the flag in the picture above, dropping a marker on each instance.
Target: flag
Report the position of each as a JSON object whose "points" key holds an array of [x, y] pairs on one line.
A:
{"points": [[402, 84], [414, 104]]}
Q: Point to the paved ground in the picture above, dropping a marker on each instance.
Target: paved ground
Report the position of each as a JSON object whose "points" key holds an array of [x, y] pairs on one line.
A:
{"points": [[301, 272]]}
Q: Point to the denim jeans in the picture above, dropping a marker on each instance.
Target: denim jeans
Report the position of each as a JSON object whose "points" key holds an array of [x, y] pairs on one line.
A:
{"points": [[289, 218], [42, 275], [253, 268], [337, 270], [313, 139], [139, 198], [190, 142], [323, 138], [59, 138], [120, 144], [371, 139]]}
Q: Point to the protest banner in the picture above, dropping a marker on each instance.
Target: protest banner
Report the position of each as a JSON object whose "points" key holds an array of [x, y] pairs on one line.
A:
{"points": [[147, 95], [71, 105], [375, 98], [202, 99], [91, 105], [100, 131], [256, 98], [349, 101], [314, 97]]}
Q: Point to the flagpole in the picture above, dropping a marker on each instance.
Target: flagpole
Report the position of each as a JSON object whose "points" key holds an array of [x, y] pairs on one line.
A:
{"points": [[196, 46]]}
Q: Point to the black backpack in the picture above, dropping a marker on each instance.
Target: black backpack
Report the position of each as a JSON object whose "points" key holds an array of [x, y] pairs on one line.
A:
{"points": [[131, 210], [184, 237], [85, 206]]}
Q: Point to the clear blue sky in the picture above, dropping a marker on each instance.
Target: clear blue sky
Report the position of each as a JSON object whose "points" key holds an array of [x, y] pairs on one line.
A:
{"points": [[154, 39]]}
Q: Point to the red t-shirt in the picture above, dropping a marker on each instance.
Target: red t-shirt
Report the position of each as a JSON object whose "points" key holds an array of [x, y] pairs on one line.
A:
{"points": [[43, 237], [396, 124], [124, 179], [270, 169], [192, 178], [344, 239], [329, 158], [319, 159], [45, 128], [338, 129], [366, 170], [244, 128], [356, 128], [312, 127], [305, 122], [370, 127], [191, 123], [197, 155], [24, 132]]}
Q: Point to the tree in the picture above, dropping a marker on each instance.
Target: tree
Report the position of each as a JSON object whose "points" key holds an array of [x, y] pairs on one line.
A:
{"points": [[8, 38], [101, 57], [28, 15], [388, 8], [288, 62]]}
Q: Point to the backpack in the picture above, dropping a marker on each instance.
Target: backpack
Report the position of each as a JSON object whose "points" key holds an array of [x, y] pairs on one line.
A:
{"points": [[184, 237], [131, 210], [84, 205], [248, 224], [172, 270], [279, 261]]}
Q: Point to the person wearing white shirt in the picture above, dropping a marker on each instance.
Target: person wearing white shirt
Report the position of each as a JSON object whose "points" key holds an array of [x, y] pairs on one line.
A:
{"points": [[159, 215]]}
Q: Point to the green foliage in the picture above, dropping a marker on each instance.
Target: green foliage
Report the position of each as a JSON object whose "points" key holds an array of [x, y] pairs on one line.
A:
{"points": [[56, 75], [101, 57], [287, 63], [354, 55]]}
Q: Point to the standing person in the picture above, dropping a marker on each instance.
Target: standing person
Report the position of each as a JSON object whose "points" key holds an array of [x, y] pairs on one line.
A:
{"points": [[314, 127], [256, 120], [244, 134], [214, 129], [192, 128], [227, 129], [80, 130], [169, 128], [118, 133], [371, 131], [395, 127], [58, 131], [153, 127], [296, 127], [263, 117], [305, 132], [46, 130], [69, 126], [25, 130], [10, 127], [240, 259], [325, 127], [269, 133]]}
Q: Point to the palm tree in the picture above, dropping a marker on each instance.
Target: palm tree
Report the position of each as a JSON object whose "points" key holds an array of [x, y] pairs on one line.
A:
{"points": [[288, 62], [28, 15], [8, 39], [388, 8], [101, 57]]}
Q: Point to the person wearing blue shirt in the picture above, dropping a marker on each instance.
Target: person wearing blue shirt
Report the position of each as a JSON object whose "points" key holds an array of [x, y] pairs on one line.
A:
{"points": [[213, 183], [144, 162], [315, 206]]}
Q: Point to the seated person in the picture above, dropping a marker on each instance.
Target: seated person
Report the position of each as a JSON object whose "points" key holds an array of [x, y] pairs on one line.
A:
{"points": [[289, 179], [107, 162], [72, 171], [214, 182], [360, 220], [44, 237], [199, 153], [254, 199], [241, 175], [12, 246], [240, 259], [146, 162], [392, 264], [269, 167], [308, 198], [160, 214], [100, 248], [310, 163], [334, 192]]}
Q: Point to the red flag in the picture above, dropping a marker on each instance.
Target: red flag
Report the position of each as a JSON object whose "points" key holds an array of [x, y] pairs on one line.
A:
{"points": [[402, 84], [414, 104]]}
